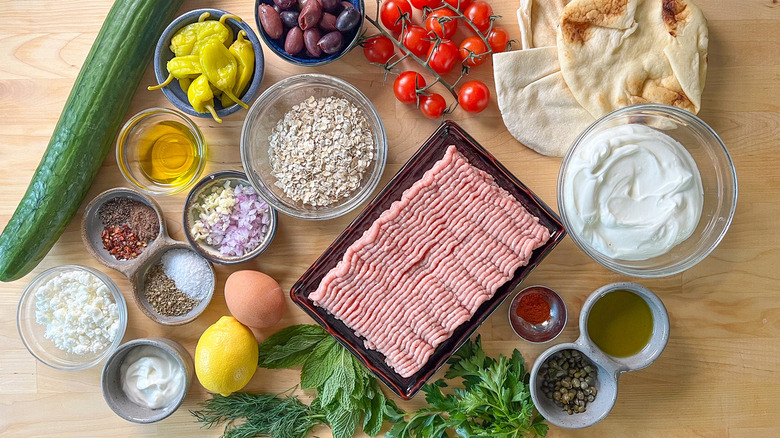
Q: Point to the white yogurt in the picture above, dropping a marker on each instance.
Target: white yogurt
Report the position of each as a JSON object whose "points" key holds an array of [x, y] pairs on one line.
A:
{"points": [[632, 192], [151, 377]]}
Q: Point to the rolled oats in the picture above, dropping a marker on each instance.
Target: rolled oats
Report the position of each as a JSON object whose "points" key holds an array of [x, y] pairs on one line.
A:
{"points": [[320, 150]]}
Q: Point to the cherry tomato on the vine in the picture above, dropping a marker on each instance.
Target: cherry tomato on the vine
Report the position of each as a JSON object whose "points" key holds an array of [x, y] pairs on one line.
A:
{"points": [[445, 29], [476, 46], [406, 85], [479, 13], [378, 49], [443, 57], [433, 106], [419, 4], [498, 39], [474, 96], [463, 4], [391, 12], [417, 40]]}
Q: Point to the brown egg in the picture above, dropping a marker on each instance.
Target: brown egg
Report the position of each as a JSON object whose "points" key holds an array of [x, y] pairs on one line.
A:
{"points": [[254, 299]]}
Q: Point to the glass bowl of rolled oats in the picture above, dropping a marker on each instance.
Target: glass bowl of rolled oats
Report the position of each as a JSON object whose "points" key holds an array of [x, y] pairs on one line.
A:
{"points": [[313, 146]]}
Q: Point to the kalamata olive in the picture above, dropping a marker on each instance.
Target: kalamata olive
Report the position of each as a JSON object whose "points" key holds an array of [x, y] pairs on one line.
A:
{"points": [[332, 6], [301, 4], [347, 19], [328, 22], [310, 14], [310, 39], [289, 19], [293, 44], [278, 9], [270, 20], [285, 4], [346, 5], [331, 42]]}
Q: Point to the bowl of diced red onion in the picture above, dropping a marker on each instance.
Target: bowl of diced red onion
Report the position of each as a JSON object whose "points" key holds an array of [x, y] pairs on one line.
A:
{"points": [[226, 221]]}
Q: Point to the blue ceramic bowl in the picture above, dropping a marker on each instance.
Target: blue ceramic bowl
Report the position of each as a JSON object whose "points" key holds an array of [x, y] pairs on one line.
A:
{"points": [[173, 91], [303, 59]]}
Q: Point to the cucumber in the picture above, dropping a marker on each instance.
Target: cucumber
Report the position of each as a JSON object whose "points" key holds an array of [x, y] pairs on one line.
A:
{"points": [[85, 131]]}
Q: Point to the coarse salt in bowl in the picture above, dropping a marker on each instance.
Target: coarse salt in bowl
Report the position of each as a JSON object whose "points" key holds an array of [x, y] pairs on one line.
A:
{"points": [[57, 342], [191, 273], [239, 240], [271, 107]]}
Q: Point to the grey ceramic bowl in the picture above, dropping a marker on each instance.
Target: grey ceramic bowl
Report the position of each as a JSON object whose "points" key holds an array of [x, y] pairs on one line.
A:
{"points": [[111, 380], [190, 217], [609, 367], [138, 280], [163, 54], [135, 269]]}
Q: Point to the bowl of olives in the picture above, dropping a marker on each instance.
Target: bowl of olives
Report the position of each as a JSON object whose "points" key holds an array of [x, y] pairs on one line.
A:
{"points": [[310, 32]]}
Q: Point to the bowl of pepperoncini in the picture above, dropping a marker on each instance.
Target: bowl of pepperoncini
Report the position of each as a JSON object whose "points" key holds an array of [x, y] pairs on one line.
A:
{"points": [[209, 63]]}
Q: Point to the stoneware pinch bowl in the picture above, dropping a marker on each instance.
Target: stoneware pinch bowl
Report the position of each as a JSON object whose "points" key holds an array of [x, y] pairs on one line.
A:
{"points": [[610, 368]]}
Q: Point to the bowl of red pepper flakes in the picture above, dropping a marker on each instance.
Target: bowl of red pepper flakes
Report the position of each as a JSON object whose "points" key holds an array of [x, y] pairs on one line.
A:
{"points": [[537, 314]]}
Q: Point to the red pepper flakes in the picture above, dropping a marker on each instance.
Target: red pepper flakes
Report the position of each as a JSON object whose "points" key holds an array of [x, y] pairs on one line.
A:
{"points": [[121, 243]]}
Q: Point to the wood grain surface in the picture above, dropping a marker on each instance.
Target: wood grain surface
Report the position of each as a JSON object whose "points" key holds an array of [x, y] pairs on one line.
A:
{"points": [[718, 376]]}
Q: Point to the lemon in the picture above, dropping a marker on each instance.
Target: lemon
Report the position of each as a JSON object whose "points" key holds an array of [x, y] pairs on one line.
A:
{"points": [[226, 356]]}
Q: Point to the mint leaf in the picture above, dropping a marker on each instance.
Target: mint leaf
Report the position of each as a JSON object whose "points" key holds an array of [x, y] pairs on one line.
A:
{"points": [[344, 422], [342, 381], [290, 346], [374, 417], [319, 365]]}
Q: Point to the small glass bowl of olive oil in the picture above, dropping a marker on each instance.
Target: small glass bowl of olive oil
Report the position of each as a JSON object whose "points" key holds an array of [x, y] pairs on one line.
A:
{"points": [[161, 151]]}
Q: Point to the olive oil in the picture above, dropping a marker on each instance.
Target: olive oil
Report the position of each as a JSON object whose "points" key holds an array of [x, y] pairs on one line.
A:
{"points": [[168, 153], [620, 323]]}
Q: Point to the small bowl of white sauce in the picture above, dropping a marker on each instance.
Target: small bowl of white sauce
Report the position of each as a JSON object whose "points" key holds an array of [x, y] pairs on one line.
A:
{"points": [[145, 380], [648, 190]]}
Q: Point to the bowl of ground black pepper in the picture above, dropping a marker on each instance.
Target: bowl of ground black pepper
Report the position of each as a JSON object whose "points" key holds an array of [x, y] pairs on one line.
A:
{"points": [[174, 286], [121, 228]]}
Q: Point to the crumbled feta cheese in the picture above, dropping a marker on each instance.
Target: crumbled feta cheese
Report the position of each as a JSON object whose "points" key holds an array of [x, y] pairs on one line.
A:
{"points": [[78, 311]]}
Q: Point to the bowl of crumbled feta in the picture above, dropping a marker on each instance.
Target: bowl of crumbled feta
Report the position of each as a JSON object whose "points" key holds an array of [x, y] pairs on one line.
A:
{"points": [[313, 146], [71, 317], [226, 221]]}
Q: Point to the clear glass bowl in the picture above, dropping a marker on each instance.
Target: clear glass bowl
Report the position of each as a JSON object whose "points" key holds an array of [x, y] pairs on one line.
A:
{"points": [[130, 153], [263, 116], [718, 177], [46, 351], [191, 216]]}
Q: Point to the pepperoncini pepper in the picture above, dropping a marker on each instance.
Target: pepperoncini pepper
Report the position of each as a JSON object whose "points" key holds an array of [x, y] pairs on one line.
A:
{"points": [[201, 98], [184, 84], [180, 67], [242, 50], [193, 36], [221, 68]]}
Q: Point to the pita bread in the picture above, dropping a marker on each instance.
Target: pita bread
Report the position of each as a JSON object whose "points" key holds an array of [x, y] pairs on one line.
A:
{"points": [[615, 53], [538, 20], [537, 107]]}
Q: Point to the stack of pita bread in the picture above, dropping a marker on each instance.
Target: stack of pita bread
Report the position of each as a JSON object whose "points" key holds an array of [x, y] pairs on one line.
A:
{"points": [[582, 59]]}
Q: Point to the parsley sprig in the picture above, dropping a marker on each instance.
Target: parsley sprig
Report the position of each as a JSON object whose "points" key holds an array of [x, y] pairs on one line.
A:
{"points": [[495, 401]]}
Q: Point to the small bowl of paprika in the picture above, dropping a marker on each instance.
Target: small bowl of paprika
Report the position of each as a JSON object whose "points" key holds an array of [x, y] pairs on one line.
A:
{"points": [[537, 314]]}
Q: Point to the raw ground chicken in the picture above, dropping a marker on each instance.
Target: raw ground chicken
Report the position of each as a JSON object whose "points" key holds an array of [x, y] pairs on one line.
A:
{"points": [[427, 263]]}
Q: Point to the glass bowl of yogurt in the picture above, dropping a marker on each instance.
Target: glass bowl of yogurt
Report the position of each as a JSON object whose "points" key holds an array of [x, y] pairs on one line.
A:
{"points": [[648, 190]]}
